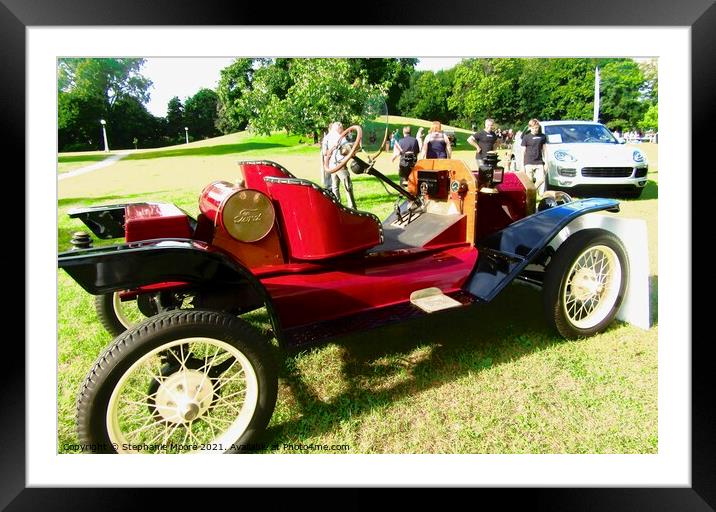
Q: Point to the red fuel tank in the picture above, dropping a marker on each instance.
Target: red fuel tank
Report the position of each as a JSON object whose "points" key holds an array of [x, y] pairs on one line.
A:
{"points": [[212, 196]]}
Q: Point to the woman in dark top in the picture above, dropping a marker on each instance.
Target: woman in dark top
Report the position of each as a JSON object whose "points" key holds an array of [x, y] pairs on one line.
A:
{"points": [[436, 144]]}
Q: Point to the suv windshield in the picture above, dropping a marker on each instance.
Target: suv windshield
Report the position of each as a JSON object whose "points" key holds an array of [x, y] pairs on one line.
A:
{"points": [[570, 133]]}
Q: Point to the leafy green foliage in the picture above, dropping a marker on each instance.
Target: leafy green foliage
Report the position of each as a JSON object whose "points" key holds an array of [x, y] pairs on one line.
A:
{"points": [[130, 119], [651, 119], [109, 79], [235, 81], [621, 95], [175, 120], [317, 92], [486, 88], [109, 89], [200, 114], [78, 126], [393, 75], [427, 96], [512, 91]]}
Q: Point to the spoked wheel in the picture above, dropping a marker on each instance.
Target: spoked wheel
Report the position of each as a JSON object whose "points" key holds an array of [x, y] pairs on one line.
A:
{"points": [[117, 315], [585, 283], [180, 382]]}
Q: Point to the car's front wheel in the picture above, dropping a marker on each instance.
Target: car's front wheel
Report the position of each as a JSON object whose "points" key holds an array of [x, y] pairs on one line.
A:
{"points": [[179, 382], [585, 283]]}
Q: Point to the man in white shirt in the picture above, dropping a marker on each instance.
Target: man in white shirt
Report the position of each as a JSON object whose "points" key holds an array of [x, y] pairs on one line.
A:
{"points": [[334, 140]]}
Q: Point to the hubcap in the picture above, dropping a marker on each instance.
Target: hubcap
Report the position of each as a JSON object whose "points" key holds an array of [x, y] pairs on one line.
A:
{"points": [[186, 395], [592, 286], [183, 396]]}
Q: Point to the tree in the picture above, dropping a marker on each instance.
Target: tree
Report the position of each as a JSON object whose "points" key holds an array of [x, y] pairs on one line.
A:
{"points": [[486, 88], [175, 120], [78, 127], [622, 92], [136, 122], [109, 79], [320, 91], [200, 114], [234, 83], [570, 85], [650, 88], [94, 89], [392, 75], [427, 95], [651, 119]]}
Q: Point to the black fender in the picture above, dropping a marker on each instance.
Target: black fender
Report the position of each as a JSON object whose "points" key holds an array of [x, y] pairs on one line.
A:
{"points": [[504, 254], [127, 266]]}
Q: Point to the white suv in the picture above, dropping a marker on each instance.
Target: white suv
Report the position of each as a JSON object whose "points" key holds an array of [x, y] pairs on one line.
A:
{"points": [[586, 154]]}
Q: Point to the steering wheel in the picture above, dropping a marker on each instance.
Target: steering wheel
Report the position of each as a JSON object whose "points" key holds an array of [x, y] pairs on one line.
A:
{"points": [[591, 139], [354, 149]]}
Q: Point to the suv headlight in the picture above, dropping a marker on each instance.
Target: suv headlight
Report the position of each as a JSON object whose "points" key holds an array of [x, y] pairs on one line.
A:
{"points": [[564, 156], [638, 156]]}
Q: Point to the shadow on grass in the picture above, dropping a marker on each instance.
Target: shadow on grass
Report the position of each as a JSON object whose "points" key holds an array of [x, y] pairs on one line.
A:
{"points": [[651, 191], [374, 364], [222, 149]]}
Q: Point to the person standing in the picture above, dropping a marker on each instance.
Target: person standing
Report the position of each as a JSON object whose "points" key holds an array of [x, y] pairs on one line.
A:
{"points": [[534, 144], [484, 141], [408, 149], [419, 136], [325, 177], [436, 143], [332, 143]]}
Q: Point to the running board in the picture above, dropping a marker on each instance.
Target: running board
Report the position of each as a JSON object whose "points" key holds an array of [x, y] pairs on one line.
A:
{"points": [[431, 300], [323, 331]]}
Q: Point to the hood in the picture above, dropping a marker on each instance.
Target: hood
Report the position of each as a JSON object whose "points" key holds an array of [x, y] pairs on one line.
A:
{"points": [[613, 154]]}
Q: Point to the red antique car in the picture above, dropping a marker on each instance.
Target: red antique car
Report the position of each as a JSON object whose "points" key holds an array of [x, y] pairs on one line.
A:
{"points": [[194, 375]]}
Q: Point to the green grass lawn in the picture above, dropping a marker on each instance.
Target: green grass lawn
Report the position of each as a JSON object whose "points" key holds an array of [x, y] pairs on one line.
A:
{"points": [[491, 379]]}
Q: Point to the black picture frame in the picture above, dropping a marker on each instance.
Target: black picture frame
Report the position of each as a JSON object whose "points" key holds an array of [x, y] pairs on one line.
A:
{"points": [[17, 15]]}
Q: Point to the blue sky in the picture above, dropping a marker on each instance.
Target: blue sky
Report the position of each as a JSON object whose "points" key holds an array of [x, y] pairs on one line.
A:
{"points": [[183, 77]]}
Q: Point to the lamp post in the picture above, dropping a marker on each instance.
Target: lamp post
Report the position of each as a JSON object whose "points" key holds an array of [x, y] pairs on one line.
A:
{"points": [[104, 133], [186, 132]]}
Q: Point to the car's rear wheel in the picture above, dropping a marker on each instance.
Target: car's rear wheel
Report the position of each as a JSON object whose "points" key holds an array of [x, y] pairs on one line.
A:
{"points": [[179, 382], [585, 283], [116, 315]]}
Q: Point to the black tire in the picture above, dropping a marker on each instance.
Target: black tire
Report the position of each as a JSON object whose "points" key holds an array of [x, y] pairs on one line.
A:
{"points": [[107, 314], [173, 330], [567, 287]]}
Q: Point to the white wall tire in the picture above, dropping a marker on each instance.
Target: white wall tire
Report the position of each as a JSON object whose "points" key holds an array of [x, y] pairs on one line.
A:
{"points": [[585, 283]]}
